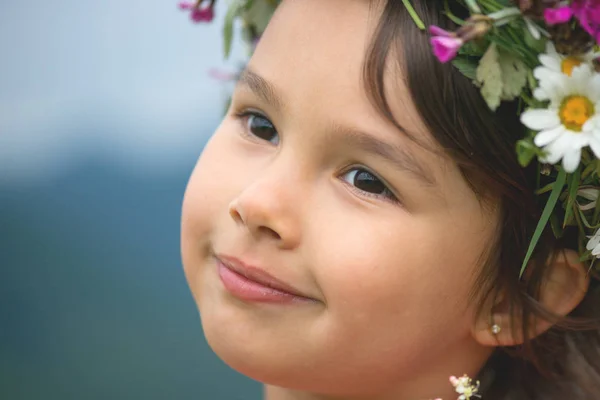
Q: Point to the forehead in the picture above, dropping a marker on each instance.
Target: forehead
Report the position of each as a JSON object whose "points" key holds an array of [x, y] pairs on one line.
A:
{"points": [[317, 45], [333, 23], [315, 51]]}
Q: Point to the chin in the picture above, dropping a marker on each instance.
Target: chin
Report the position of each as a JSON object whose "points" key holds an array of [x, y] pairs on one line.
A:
{"points": [[262, 355], [248, 358], [257, 353], [282, 371]]}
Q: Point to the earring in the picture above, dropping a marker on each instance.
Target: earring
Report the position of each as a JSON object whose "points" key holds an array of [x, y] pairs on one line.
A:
{"points": [[495, 328]]}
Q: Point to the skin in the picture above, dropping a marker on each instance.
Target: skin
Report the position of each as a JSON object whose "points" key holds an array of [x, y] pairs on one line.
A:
{"points": [[390, 279]]}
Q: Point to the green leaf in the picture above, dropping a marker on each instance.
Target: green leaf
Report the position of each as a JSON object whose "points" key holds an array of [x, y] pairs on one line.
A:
{"points": [[531, 80], [473, 6], [466, 66], [585, 221], [514, 76], [556, 190], [526, 151], [556, 227], [232, 13], [585, 256], [588, 170], [537, 44], [574, 181], [597, 170], [474, 48], [489, 76], [258, 13], [596, 211]]}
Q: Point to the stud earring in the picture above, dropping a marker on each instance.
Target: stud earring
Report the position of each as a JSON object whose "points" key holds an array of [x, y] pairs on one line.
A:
{"points": [[495, 328]]}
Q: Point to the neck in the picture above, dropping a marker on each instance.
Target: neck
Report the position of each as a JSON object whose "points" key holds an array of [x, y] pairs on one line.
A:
{"points": [[278, 393], [428, 386]]}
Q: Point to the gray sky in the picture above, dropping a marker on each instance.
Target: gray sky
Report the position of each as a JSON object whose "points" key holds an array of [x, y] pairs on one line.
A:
{"points": [[124, 79]]}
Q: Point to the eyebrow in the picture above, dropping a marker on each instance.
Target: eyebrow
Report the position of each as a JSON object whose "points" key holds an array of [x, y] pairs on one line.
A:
{"points": [[261, 87], [396, 155]]}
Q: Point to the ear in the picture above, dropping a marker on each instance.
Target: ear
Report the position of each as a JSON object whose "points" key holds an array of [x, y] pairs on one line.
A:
{"points": [[565, 284]]}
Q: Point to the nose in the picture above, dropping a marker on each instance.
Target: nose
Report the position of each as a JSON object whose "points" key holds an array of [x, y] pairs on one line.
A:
{"points": [[266, 209]]}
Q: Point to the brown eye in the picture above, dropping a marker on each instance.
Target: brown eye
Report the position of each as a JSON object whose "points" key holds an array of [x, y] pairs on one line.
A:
{"points": [[367, 182], [259, 126]]}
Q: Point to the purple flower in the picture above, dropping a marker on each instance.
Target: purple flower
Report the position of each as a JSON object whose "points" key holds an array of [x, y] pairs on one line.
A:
{"points": [[186, 5], [559, 15], [437, 31], [222, 75], [588, 14], [202, 14], [445, 44], [198, 14]]}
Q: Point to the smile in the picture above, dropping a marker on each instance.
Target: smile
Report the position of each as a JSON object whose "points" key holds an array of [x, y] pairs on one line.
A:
{"points": [[255, 285]]}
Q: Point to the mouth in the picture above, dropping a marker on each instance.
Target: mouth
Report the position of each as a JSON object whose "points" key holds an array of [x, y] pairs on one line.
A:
{"points": [[253, 284]]}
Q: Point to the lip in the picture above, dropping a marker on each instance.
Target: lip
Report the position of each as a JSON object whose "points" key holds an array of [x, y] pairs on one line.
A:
{"points": [[254, 284]]}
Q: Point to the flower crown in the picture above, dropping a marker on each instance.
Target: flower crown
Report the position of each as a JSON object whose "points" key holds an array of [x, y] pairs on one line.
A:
{"points": [[541, 53]]}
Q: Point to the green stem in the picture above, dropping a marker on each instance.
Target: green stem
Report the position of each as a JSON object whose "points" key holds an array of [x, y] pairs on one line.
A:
{"points": [[507, 13], [450, 15], [490, 6], [413, 14], [472, 4], [556, 190]]}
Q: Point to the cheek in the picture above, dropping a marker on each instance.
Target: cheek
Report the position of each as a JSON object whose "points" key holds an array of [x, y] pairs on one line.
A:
{"points": [[214, 182], [399, 279], [206, 200]]}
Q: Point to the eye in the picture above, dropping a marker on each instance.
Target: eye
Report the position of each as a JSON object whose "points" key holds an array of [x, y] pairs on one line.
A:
{"points": [[368, 183], [259, 126]]}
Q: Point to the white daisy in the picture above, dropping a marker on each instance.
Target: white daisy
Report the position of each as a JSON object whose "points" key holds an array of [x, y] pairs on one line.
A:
{"points": [[554, 64], [593, 244], [572, 119]]}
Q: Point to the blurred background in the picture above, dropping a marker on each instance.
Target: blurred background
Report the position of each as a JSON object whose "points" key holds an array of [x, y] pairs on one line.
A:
{"points": [[104, 109]]}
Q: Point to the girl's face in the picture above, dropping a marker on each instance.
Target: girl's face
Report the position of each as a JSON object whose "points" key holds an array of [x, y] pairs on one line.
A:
{"points": [[306, 181]]}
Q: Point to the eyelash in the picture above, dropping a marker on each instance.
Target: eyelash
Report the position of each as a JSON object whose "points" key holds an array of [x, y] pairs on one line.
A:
{"points": [[244, 116], [388, 196]]}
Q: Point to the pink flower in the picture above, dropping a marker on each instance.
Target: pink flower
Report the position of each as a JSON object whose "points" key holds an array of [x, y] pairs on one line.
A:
{"points": [[444, 48], [186, 5], [445, 44], [588, 14], [202, 14], [222, 76], [198, 14], [559, 15], [437, 31]]}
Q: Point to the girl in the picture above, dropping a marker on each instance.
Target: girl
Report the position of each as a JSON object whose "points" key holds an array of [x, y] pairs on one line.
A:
{"points": [[356, 227]]}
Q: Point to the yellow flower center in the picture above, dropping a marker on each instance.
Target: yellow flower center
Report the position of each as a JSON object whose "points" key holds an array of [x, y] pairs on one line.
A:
{"points": [[575, 111], [569, 63]]}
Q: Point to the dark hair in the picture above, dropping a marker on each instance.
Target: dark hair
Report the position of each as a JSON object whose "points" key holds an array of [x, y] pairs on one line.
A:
{"points": [[564, 362]]}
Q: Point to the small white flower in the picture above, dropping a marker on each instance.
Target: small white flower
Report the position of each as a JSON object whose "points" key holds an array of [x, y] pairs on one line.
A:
{"points": [[593, 244], [465, 387], [572, 119]]}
